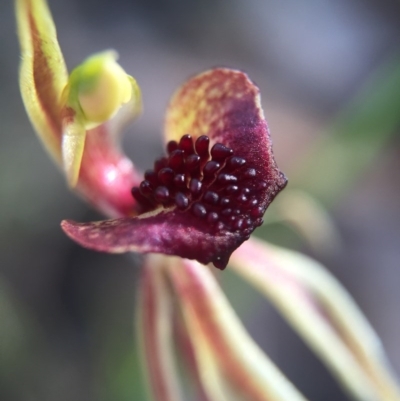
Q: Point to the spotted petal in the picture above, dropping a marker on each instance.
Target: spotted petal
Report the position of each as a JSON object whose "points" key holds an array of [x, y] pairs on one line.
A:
{"points": [[189, 207], [106, 175]]}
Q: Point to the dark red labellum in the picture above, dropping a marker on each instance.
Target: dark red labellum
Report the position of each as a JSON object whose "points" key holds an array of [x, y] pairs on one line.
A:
{"points": [[223, 190]]}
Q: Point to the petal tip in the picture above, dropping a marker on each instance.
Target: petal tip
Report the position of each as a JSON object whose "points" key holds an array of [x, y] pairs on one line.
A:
{"points": [[74, 231], [68, 226]]}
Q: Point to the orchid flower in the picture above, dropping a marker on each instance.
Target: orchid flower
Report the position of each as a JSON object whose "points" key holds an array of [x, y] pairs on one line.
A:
{"points": [[198, 205]]}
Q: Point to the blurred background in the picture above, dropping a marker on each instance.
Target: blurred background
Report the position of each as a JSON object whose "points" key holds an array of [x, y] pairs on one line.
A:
{"points": [[329, 74]]}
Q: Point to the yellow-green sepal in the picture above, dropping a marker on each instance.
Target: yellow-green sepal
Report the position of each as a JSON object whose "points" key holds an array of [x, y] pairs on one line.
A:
{"points": [[43, 73]]}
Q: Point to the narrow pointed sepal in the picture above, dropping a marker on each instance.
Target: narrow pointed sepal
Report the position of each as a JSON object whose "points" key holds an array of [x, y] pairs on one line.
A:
{"points": [[229, 360], [154, 323], [187, 351], [323, 313], [43, 73]]}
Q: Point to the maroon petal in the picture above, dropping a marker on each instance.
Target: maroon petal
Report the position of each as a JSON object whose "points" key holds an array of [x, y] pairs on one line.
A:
{"points": [[172, 233]]}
